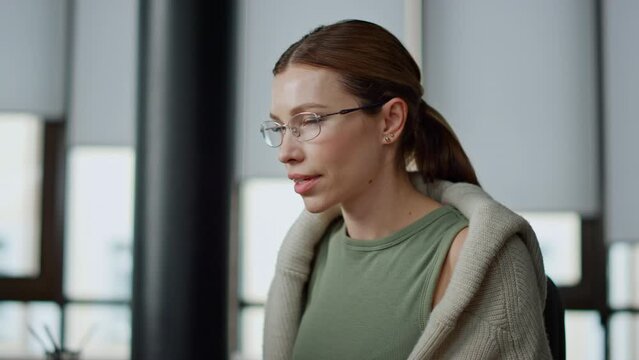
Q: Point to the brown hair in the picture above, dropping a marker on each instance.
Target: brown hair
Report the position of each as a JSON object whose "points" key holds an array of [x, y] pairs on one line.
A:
{"points": [[375, 67]]}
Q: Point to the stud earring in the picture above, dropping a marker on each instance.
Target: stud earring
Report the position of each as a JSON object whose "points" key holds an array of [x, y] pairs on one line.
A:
{"points": [[387, 139]]}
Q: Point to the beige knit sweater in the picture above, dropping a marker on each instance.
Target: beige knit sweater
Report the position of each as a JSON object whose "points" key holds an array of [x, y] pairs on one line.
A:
{"points": [[492, 308]]}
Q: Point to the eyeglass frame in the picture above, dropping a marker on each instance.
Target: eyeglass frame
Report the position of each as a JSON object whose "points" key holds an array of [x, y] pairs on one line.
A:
{"points": [[319, 118]]}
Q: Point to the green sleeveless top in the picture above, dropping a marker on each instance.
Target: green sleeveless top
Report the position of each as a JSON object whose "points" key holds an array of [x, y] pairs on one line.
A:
{"points": [[371, 299]]}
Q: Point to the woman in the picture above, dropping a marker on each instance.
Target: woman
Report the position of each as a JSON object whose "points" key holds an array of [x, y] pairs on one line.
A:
{"points": [[385, 263]]}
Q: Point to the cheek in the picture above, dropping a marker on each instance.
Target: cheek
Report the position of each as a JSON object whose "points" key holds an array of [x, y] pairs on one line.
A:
{"points": [[349, 155]]}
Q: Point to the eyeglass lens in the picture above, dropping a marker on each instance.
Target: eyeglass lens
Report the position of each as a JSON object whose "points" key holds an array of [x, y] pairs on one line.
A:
{"points": [[304, 127]]}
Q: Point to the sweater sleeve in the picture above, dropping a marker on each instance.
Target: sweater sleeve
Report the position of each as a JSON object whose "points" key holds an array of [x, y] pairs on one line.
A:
{"points": [[505, 318], [285, 301], [525, 336]]}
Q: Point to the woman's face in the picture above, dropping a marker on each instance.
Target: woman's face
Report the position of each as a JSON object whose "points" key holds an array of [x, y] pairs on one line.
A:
{"points": [[341, 164]]}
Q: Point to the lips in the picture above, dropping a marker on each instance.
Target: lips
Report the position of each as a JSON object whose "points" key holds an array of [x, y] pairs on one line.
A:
{"points": [[304, 183]]}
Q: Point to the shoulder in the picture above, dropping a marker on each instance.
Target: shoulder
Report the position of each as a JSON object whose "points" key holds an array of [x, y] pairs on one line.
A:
{"points": [[455, 248], [449, 265]]}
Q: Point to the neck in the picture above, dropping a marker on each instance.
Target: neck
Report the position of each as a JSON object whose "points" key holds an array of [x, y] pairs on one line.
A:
{"points": [[390, 204]]}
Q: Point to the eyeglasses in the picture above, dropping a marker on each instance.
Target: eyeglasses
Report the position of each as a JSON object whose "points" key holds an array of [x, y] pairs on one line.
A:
{"points": [[304, 126]]}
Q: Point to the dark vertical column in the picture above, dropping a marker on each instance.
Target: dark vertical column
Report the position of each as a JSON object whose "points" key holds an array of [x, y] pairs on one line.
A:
{"points": [[601, 281], [184, 172]]}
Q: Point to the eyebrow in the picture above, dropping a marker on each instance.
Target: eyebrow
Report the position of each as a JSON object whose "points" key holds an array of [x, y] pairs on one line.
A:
{"points": [[301, 108]]}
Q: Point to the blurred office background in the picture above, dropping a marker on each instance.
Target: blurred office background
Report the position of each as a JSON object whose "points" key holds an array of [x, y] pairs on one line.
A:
{"points": [[128, 130]]}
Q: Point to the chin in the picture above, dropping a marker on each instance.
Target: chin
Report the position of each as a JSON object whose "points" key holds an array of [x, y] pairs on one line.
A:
{"points": [[316, 206]]}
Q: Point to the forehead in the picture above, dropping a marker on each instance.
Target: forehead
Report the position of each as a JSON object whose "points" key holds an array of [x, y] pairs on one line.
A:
{"points": [[299, 85]]}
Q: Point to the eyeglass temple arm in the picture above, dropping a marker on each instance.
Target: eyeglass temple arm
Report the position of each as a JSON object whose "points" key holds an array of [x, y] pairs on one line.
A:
{"points": [[346, 111]]}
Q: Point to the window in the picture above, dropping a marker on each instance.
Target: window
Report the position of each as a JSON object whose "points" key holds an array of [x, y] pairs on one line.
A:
{"points": [[584, 335], [16, 317], [623, 299], [98, 256], [31, 174], [559, 236], [20, 190], [624, 335], [262, 231], [99, 223], [86, 304]]}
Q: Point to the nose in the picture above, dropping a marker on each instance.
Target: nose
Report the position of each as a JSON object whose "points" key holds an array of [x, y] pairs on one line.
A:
{"points": [[290, 150]]}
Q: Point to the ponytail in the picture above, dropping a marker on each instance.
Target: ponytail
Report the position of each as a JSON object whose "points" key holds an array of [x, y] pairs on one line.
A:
{"points": [[437, 152]]}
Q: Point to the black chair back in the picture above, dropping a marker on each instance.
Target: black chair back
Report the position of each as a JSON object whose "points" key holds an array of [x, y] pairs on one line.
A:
{"points": [[554, 320]]}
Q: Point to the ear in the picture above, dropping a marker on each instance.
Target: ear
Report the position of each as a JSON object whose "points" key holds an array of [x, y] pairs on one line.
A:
{"points": [[395, 112]]}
